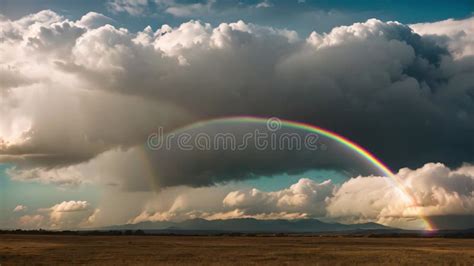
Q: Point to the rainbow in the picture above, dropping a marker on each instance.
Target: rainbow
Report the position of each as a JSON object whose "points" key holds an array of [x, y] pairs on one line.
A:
{"points": [[331, 135]]}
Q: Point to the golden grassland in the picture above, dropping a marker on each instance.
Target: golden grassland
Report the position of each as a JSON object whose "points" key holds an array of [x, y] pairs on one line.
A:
{"points": [[242, 250]]}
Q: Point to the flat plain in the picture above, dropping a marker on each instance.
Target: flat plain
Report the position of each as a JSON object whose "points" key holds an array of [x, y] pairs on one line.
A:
{"points": [[240, 250]]}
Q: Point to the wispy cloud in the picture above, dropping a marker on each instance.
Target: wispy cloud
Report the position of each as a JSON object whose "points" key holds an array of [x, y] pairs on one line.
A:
{"points": [[150, 7], [264, 4], [20, 208]]}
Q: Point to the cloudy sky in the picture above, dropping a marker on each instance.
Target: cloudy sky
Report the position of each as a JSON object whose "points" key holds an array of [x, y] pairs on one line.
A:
{"points": [[83, 84]]}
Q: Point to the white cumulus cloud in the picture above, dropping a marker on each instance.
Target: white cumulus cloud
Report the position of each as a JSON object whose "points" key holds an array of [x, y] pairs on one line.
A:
{"points": [[457, 35]]}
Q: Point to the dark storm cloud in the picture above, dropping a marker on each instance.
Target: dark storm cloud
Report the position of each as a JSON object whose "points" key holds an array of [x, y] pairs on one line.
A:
{"points": [[401, 95], [219, 152]]}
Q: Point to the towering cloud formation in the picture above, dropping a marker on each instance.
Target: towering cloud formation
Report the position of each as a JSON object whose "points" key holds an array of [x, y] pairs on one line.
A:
{"points": [[72, 90]]}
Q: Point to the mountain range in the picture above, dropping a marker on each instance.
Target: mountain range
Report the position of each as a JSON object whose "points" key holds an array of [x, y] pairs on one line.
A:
{"points": [[247, 225]]}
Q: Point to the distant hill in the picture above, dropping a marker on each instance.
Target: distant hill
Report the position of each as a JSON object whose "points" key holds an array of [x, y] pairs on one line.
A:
{"points": [[248, 225]]}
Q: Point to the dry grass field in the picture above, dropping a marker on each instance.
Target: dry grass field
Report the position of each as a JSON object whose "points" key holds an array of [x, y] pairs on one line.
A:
{"points": [[151, 250]]}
